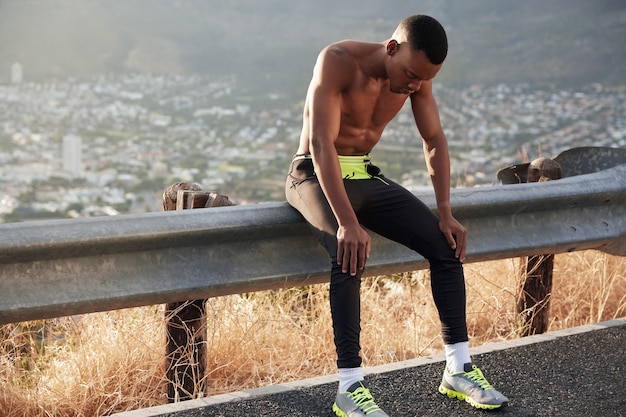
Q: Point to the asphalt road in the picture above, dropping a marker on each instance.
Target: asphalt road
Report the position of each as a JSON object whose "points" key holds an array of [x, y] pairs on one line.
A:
{"points": [[579, 372]]}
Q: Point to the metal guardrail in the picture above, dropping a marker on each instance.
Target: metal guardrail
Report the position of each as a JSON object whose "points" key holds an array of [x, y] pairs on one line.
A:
{"points": [[65, 267]]}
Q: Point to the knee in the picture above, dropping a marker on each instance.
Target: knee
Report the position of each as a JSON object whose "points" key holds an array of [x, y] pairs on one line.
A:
{"points": [[447, 264], [339, 279]]}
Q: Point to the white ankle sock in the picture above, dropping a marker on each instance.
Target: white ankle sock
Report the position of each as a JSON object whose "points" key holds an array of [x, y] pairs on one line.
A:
{"points": [[348, 376], [457, 355]]}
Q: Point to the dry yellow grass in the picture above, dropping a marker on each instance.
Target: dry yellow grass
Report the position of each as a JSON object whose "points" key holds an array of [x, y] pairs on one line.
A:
{"points": [[102, 363]]}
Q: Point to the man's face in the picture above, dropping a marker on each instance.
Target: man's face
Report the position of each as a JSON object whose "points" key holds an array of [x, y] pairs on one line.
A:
{"points": [[409, 69]]}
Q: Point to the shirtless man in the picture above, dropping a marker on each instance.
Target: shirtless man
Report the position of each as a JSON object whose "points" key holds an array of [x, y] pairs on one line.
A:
{"points": [[356, 89]]}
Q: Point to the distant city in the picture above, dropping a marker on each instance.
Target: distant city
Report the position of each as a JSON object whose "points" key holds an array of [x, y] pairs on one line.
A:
{"points": [[110, 144]]}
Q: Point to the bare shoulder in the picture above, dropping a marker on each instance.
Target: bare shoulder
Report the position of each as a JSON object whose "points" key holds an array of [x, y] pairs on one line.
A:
{"points": [[337, 63], [340, 50]]}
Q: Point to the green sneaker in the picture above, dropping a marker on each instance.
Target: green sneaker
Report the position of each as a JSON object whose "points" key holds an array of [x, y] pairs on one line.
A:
{"points": [[472, 386], [357, 402]]}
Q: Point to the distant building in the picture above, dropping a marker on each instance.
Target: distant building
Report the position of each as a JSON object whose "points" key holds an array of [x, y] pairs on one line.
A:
{"points": [[17, 73], [73, 156]]}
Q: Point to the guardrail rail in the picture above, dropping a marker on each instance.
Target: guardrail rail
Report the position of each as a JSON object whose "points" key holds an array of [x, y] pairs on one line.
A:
{"points": [[65, 267]]}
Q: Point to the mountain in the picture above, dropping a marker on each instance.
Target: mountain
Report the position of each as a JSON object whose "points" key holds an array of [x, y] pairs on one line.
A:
{"points": [[272, 44]]}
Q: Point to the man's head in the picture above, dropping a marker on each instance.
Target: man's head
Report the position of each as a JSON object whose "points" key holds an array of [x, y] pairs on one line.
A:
{"points": [[423, 33], [417, 50]]}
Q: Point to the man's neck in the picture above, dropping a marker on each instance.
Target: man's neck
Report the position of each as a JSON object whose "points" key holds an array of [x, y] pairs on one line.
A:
{"points": [[372, 60]]}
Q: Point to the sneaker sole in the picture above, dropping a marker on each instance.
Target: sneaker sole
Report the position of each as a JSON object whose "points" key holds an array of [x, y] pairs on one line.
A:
{"points": [[464, 397], [338, 411]]}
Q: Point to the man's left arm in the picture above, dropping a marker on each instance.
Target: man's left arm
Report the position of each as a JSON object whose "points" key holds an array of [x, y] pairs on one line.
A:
{"points": [[437, 158]]}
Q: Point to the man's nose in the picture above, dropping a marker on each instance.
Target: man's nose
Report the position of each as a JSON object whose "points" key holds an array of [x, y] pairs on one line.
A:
{"points": [[415, 85]]}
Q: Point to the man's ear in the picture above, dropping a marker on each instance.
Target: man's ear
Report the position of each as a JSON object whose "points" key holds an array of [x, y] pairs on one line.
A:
{"points": [[392, 47]]}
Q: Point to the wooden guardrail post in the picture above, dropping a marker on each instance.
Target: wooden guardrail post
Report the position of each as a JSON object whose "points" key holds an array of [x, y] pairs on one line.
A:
{"points": [[533, 303], [186, 321]]}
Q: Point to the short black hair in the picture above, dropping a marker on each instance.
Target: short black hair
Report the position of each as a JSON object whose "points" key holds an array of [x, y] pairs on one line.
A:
{"points": [[424, 33]]}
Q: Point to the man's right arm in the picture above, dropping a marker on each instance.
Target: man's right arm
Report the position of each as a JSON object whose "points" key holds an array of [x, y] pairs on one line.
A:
{"points": [[324, 102]]}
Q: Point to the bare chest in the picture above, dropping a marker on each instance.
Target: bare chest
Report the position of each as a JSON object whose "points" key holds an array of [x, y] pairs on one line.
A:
{"points": [[370, 108]]}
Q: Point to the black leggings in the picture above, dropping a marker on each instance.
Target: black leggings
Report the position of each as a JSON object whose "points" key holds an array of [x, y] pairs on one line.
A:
{"points": [[393, 212]]}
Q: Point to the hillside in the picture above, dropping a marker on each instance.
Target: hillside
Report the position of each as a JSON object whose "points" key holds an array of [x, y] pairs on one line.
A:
{"points": [[272, 44]]}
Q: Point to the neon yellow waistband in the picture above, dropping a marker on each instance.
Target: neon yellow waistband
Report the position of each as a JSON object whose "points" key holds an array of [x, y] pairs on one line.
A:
{"points": [[354, 167]]}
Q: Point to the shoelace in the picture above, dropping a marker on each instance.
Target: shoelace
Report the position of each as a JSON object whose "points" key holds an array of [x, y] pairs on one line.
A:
{"points": [[477, 376], [364, 400]]}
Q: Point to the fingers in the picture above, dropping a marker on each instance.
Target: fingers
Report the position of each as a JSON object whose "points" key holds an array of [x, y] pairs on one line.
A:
{"points": [[456, 236], [362, 254], [451, 240], [354, 258], [340, 253], [353, 255], [461, 245]]}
